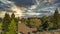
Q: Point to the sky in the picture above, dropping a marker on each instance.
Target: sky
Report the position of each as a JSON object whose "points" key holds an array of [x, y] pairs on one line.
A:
{"points": [[36, 6]]}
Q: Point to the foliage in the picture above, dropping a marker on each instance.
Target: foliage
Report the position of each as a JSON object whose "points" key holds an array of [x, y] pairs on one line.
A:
{"points": [[0, 25], [13, 16], [25, 21], [5, 23], [12, 27], [59, 21], [35, 22]]}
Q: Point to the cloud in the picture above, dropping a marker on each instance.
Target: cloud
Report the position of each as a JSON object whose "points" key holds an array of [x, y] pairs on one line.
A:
{"points": [[32, 7], [52, 1]]}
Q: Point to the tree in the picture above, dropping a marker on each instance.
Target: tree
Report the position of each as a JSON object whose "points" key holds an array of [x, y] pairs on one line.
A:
{"points": [[15, 19], [13, 16], [0, 27], [59, 21], [24, 21], [48, 22], [5, 23], [56, 18], [12, 27], [45, 25], [35, 22], [51, 23]]}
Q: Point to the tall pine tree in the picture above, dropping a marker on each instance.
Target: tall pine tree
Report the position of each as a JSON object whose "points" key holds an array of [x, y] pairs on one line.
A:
{"points": [[56, 18], [13, 16], [5, 23]]}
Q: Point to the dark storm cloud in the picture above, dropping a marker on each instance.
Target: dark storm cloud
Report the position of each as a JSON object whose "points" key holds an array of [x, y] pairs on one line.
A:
{"points": [[24, 2]]}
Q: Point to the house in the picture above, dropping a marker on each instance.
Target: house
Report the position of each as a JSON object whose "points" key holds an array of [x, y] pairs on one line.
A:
{"points": [[23, 29]]}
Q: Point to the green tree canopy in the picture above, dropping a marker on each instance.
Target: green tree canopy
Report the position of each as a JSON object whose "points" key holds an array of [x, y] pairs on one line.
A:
{"points": [[5, 23], [35, 22], [12, 28]]}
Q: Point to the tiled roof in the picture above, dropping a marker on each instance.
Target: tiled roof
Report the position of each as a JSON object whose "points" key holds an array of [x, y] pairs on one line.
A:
{"points": [[25, 29]]}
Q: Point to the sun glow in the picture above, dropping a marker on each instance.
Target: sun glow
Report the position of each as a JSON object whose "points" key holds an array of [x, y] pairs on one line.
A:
{"points": [[18, 11]]}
